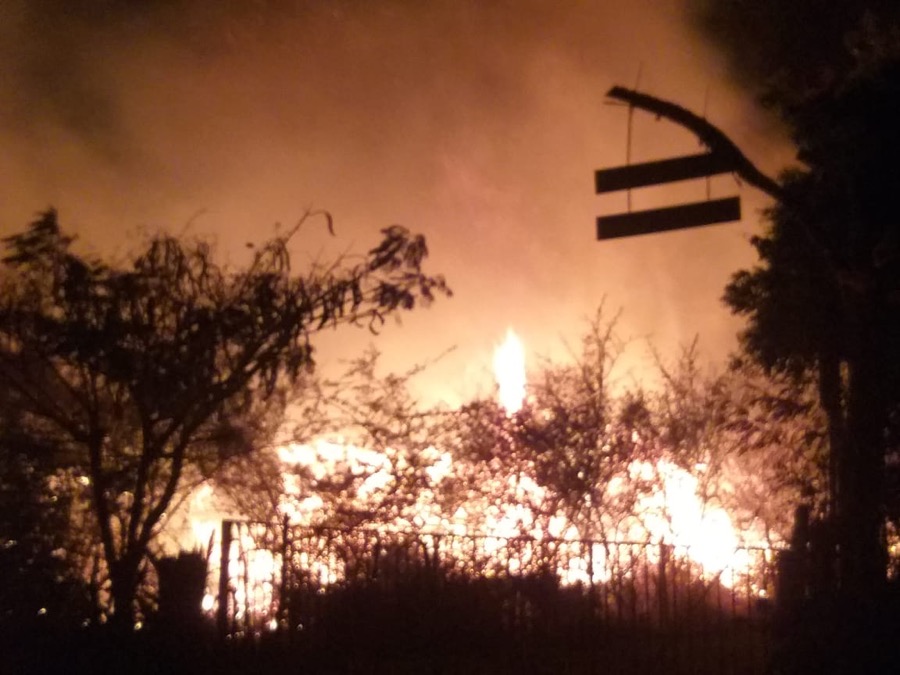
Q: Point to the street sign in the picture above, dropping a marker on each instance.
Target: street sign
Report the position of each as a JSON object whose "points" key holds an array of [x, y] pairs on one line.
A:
{"points": [[662, 171], [669, 218]]}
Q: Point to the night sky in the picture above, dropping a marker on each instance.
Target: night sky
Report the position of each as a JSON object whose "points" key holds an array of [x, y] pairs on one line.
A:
{"points": [[479, 124]]}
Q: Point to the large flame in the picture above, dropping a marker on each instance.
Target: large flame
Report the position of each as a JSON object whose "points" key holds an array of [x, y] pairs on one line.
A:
{"points": [[672, 513], [668, 509], [509, 372]]}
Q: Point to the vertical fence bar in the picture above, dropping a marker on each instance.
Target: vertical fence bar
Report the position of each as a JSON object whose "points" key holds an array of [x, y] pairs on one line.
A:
{"points": [[665, 611], [761, 632], [285, 570], [224, 557], [747, 625], [662, 601], [724, 626]]}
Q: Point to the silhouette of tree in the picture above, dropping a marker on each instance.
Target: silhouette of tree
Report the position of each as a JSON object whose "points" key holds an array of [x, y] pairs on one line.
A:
{"points": [[581, 434], [786, 52], [379, 413], [759, 436], [155, 374], [40, 558], [592, 443], [826, 294], [558, 454]]}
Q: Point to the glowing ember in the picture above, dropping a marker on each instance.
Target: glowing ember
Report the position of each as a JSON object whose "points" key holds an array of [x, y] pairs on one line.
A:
{"points": [[509, 371]]}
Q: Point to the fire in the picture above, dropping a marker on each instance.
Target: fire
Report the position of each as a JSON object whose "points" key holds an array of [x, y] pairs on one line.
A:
{"points": [[668, 509], [509, 371], [672, 513]]}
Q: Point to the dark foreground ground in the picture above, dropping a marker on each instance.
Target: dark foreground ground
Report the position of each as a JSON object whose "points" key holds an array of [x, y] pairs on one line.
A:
{"points": [[158, 652], [606, 653], [104, 653], [370, 631]]}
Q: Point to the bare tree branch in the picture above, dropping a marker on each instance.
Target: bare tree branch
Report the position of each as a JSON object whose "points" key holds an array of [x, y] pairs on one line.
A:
{"points": [[710, 135]]}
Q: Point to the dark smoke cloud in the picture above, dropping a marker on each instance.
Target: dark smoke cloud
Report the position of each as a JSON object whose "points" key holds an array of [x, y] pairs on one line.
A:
{"points": [[478, 123]]}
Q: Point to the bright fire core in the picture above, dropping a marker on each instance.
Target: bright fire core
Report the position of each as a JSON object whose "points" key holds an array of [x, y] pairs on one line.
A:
{"points": [[509, 371]]}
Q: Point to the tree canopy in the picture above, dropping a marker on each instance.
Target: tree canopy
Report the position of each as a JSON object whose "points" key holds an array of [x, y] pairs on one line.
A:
{"points": [[788, 51], [824, 296], [148, 376]]}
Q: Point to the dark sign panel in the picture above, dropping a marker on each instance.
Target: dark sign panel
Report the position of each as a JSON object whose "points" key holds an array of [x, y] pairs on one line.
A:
{"points": [[669, 218], [662, 171]]}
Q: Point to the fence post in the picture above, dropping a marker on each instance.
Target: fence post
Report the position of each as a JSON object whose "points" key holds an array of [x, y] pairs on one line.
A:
{"points": [[662, 584], [224, 557], [285, 570]]}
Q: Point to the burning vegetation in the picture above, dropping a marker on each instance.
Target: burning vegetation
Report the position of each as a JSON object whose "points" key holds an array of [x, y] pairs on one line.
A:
{"points": [[182, 411], [571, 476]]}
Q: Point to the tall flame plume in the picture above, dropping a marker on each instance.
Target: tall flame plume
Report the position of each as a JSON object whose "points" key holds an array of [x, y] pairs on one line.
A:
{"points": [[509, 372]]}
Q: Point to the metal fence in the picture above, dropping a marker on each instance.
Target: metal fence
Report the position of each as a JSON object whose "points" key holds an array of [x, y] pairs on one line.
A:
{"points": [[610, 606]]}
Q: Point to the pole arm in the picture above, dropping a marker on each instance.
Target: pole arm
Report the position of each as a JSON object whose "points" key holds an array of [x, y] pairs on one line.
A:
{"points": [[710, 135]]}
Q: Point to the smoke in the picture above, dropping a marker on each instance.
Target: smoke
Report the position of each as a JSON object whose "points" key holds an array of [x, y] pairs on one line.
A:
{"points": [[477, 123]]}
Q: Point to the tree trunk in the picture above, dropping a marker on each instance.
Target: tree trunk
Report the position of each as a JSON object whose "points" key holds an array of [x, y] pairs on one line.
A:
{"points": [[830, 398], [861, 465], [124, 581]]}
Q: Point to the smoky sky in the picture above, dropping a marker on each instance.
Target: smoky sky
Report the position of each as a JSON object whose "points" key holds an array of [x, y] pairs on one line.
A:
{"points": [[477, 123]]}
